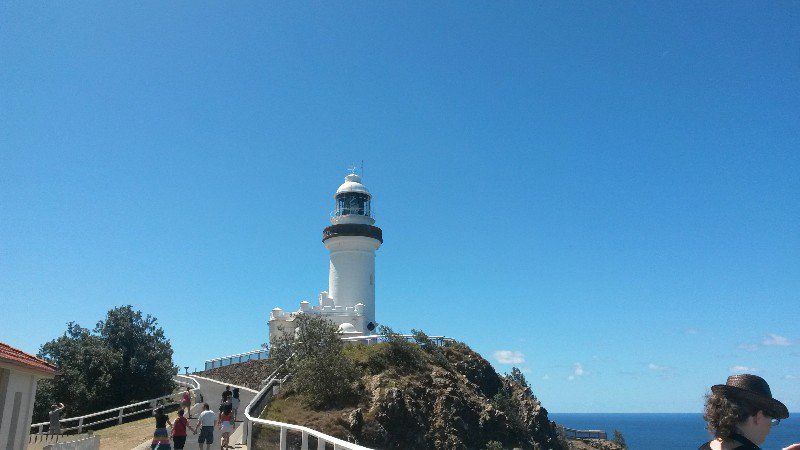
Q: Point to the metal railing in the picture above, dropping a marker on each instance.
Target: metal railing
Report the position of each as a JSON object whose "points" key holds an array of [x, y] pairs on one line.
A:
{"points": [[355, 211], [378, 338], [38, 429], [236, 359], [584, 434]]}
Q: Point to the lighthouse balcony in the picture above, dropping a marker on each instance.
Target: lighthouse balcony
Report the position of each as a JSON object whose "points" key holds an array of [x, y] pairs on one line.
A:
{"points": [[352, 229]]}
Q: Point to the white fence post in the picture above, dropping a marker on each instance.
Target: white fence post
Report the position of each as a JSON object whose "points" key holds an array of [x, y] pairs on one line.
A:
{"points": [[80, 425], [119, 416], [283, 438], [304, 445], [320, 443]]}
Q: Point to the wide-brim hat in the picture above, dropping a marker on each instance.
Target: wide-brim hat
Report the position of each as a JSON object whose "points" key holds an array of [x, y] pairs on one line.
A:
{"points": [[754, 390]]}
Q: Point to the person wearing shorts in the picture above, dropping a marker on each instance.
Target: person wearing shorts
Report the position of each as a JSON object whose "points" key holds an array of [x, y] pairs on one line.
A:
{"points": [[206, 422], [225, 428]]}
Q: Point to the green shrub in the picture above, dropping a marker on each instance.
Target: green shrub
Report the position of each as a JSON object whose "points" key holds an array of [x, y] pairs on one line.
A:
{"points": [[429, 346], [403, 355]]}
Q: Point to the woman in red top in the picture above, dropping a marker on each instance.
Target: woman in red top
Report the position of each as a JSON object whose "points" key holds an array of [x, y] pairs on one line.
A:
{"points": [[179, 431], [225, 427], [186, 402]]}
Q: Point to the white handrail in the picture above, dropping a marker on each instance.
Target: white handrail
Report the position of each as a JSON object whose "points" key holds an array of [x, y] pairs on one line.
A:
{"points": [[120, 410], [195, 383], [322, 438], [248, 423]]}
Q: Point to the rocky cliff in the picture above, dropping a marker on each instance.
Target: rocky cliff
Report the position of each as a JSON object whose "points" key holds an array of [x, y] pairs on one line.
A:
{"points": [[463, 406], [419, 397], [430, 398]]}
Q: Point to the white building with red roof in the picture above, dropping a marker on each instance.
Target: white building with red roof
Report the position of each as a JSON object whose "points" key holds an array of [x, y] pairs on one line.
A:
{"points": [[19, 373]]}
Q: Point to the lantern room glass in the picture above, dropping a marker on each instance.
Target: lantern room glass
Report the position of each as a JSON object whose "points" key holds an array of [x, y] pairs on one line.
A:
{"points": [[352, 203]]}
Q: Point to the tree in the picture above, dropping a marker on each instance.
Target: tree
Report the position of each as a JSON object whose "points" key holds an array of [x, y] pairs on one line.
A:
{"points": [[125, 358], [314, 357], [518, 377], [84, 380], [619, 439], [146, 368]]}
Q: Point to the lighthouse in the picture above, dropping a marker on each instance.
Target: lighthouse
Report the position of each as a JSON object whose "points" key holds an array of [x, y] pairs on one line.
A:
{"points": [[351, 240]]}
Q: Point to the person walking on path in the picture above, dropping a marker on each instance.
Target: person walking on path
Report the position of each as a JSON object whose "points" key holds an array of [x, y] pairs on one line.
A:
{"points": [[226, 393], [741, 413], [160, 435], [55, 418], [226, 406], [186, 402], [179, 431], [225, 428], [235, 403], [206, 422]]}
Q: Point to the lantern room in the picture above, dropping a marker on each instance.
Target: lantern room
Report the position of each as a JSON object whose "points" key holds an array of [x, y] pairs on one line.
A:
{"points": [[353, 202]]}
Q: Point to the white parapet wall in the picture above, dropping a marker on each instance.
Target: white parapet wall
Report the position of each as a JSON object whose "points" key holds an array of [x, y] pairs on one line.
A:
{"points": [[87, 443]]}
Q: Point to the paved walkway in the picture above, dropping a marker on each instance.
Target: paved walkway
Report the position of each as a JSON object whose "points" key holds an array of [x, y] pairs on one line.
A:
{"points": [[212, 394]]}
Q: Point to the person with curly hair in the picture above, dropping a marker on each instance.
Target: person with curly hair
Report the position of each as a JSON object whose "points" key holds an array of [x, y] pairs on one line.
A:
{"points": [[741, 413]]}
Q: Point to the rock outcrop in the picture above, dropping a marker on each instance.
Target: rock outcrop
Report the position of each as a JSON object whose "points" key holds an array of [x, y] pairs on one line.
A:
{"points": [[461, 405], [422, 397]]}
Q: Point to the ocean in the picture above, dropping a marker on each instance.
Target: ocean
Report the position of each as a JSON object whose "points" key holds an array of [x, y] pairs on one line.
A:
{"points": [[668, 431]]}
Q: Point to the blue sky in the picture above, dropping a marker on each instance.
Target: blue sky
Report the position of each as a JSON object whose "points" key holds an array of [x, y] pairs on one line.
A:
{"points": [[605, 195]]}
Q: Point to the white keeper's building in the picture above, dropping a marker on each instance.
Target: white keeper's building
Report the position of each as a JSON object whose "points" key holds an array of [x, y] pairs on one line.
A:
{"points": [[352, 240]]}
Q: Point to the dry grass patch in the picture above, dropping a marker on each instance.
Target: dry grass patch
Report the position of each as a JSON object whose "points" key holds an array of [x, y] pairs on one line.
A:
{"points": [[290, 409], [128, 435], [125, 436]]}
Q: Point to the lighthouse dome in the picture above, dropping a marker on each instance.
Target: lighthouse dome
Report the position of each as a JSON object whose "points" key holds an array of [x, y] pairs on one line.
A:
{"points": [[352, 183], [347, 328]]}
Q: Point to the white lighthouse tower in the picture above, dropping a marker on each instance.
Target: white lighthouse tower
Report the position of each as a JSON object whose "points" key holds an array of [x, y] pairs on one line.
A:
{"points": [[352, 240]]}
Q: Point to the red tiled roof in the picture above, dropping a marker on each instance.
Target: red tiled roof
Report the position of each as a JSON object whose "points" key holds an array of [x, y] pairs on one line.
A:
{"points": [[11, 355]]}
